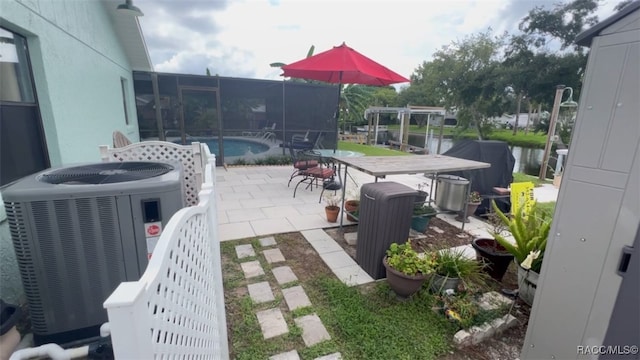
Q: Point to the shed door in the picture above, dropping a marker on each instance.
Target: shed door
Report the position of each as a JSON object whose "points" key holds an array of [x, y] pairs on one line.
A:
{"points": [[598, 208]]}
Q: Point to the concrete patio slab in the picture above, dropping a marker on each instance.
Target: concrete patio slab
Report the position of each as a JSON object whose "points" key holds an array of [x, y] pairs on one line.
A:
{"points": [[260, 292], [222, 217], [244, 251], [267, 241], [306, 222], [252, 269], [313, 331], [326, 246], [351, 238], [273, 256], [271, 226], [284, 275], [235, 196], [280, 211], [289, 355], [315, 235], [296, 298], [245, 215], [272, 323], [352, 275], [256, 203], [338, 259], [234, 231]]}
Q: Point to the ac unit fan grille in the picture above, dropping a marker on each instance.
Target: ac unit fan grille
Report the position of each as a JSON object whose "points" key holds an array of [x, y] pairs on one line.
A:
{"points": [[106, 173]]}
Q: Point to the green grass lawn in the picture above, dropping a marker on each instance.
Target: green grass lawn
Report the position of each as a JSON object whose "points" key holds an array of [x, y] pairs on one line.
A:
{"points": [[364, 323], [369, 150], [520, 139], [522, 177]]}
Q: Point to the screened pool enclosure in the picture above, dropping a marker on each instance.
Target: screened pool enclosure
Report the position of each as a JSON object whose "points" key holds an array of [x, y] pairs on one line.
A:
{"points": [[239, 119]]}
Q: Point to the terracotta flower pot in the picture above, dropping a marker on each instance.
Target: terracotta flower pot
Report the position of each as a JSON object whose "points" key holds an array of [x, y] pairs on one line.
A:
{"points": [[471, 209], [402, 284], [351, 206], [332, 213], [495, 257]]}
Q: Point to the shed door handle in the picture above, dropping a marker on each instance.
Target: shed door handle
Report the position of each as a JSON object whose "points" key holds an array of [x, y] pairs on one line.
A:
{"points": [[625, 259], [369, 197]]}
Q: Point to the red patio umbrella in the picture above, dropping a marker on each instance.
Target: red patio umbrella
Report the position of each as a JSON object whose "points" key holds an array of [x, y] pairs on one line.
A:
{"points": [[342, 65]]}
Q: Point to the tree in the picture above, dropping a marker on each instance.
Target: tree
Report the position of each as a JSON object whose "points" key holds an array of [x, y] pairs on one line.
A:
{"points": [[564, 22], [354, 100], [464, 77]]}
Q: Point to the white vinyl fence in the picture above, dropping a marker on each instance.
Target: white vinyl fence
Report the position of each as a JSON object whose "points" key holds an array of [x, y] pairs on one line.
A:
{"points": [[176, 309]]}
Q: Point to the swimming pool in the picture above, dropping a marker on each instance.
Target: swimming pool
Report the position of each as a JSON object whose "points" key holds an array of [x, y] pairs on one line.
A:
{"points": [[234, 146]]}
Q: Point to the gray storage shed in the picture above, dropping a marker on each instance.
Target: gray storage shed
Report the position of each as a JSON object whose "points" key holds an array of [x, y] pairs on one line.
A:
{"points": [[587, 294]]}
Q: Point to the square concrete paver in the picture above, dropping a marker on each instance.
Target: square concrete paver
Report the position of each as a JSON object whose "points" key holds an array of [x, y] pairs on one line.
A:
{"points": [[252, 269], [296, 297], [244, 251], [313, 331], [284, 275], [260, 292], [272, 323], [267, 241], [289, 355], [273, 255]]}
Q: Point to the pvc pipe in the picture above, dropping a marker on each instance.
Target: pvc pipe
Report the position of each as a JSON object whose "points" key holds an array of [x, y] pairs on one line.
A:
{"points": [[105, 329], [52, 351]]}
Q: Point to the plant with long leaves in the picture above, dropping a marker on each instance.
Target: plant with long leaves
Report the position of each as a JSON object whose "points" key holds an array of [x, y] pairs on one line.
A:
{"points": [[530, 232]]}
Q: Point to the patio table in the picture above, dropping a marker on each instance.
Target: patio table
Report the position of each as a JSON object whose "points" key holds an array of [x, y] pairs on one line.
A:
{"points": [[381, 166]]}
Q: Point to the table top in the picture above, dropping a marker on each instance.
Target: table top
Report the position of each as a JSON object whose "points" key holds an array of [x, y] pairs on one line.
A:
{"points": [[394, 165], [337, 153]]}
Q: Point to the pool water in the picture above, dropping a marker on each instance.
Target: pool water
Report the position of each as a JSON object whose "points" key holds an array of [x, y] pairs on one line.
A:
{"points": [[235, 147]]}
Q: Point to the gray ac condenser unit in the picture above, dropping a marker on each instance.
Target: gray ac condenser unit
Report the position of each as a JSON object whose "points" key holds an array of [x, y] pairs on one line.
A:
{"points": [[78, 232]]}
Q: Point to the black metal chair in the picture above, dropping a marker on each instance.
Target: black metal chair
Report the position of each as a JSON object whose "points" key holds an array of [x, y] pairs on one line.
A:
{"points": [[301, 162], [325, 173]]}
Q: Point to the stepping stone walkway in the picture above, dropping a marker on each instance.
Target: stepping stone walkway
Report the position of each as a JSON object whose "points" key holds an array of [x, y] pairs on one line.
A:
{"points": [[272, 321]]}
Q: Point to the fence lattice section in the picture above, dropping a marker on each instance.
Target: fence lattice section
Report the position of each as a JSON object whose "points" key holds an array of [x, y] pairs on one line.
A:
{"points": [[176, 309], [190, 156]]}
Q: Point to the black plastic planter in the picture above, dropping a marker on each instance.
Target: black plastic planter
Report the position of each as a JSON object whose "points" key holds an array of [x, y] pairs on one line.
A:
{"points": [[495, 257]]}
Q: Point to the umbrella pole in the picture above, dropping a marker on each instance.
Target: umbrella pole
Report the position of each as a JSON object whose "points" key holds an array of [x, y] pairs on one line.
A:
{"points": [[338, 113]]}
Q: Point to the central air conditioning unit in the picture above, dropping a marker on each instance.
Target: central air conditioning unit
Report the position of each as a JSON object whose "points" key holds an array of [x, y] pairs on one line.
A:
{"points": [[78, 232]]}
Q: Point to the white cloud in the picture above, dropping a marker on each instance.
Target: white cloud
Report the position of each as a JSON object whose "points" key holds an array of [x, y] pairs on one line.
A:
{"points": [[241, 38]]}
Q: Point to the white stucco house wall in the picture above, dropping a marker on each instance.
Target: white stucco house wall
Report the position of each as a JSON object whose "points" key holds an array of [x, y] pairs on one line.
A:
{"points": [[80, 56]]}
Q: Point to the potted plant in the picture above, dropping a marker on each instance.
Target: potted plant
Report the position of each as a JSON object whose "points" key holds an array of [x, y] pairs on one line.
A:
{"points": [[530, 231], [422, 195], [332, 209], [351, 205], [473, 201], [488, 251], [452, 267], [406, 269], [422, 214]]}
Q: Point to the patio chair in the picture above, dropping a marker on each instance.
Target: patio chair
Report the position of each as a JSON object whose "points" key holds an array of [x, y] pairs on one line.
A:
{"points": [[301, 162], [120, 140], [325, 173]]}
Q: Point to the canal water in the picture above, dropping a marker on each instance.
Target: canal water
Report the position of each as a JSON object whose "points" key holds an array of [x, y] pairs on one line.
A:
{"points": [[528, 160]]}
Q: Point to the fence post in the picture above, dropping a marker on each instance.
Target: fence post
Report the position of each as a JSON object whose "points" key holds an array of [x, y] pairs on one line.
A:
{"points": [[129, 322]]}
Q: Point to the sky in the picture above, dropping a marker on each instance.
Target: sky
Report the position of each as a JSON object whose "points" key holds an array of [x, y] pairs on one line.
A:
{"points": [[240, 38]]}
